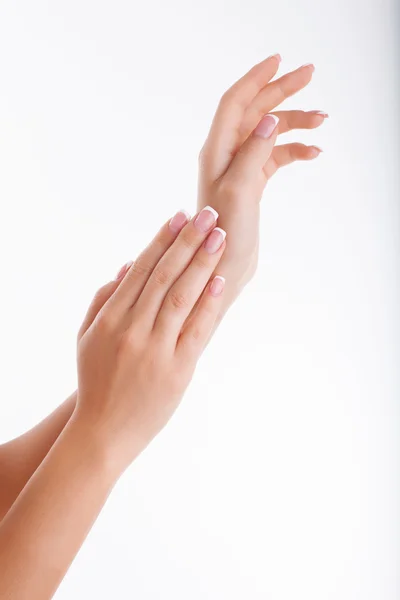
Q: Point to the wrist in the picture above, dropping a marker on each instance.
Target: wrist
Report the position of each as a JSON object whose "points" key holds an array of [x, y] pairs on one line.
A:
{"points": [[93, 446]]}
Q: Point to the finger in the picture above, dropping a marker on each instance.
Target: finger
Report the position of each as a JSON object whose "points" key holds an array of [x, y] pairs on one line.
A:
{"points": [[198, 331], [172, 265], [288, 153], [183, 295], [140, 270], [274, 94], [101, 297], [223, 138], [249, 162], [299, 119]]}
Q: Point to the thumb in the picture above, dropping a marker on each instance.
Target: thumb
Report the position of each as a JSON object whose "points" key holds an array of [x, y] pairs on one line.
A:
{"points": [[257, 149]]}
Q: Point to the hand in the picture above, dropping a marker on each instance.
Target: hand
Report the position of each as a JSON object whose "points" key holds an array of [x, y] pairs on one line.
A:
{"points": [[239, 156], [135, 359]]}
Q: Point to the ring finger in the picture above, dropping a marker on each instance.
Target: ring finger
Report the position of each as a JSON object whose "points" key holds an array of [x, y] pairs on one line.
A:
{"points": [[183, 295], [286, 154], [299, 119]]}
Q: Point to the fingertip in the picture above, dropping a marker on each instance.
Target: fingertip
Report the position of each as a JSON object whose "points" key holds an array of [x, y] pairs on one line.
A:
{"points": [[178, 221], [266, 126], [275, 56], [309, 66], [314, 151], [317, 118], [320, 113], [217, 286], [123, 270]]}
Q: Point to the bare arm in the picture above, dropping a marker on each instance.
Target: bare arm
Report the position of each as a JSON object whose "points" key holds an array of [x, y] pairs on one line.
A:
{"points": [[47, 524], [134, 364], [234, 189], [20, 457]]}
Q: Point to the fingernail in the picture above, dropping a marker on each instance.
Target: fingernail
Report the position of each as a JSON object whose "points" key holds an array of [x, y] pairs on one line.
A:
{"points": [[215, 240], [206, 219], [179, 221], [308, 65], [320, 113], [316, 151], [277, 56], [266, 126], [217, 285], [123, 270]]}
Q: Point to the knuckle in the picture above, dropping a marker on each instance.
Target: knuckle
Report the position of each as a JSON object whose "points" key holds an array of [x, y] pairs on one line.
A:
{"points": [[178, 300], [189, 240], [105, 322], [196, 333], [102, 294], [139, 268], [129, 340], [162, 276], [227, 97], [134, 342], [201, 261]]}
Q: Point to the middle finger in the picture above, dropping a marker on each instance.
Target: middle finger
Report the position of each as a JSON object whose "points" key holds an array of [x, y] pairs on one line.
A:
{"points": [[274, 94], [173, 264]]}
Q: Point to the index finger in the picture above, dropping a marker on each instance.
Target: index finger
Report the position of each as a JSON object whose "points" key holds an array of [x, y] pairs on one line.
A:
{"points": [[222, 140]]}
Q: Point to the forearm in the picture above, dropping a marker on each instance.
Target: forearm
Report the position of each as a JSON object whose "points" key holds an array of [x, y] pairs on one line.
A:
{"points": [[19, 458], [237, 277], [47, 524]]}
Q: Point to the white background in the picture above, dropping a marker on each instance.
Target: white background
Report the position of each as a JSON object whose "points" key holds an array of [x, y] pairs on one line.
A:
{"points": [[278, 478]]}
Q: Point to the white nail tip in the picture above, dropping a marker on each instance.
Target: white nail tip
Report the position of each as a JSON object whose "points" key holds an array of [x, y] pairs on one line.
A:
{"points": [[212, 210], [222, 232]]}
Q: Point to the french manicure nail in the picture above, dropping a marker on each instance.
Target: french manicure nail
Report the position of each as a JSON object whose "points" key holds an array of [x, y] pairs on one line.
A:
{"points": [[316, 150], [215, 240], [266, 126], [123, 270], [277, 56], [206, 219], [321, 113], [179, 221], [217, 285]]}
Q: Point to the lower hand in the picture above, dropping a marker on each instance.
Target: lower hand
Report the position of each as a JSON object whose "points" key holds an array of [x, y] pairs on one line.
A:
{"points": [[135, 356]]}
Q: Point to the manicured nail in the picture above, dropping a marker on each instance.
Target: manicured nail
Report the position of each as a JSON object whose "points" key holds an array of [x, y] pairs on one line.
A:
{"points": [[308, 65], [217, 285], [179, 221], [206, 219], [321, 113], [123, 270], [315, 151], [215, 240], [277, 56], [266, 126]]}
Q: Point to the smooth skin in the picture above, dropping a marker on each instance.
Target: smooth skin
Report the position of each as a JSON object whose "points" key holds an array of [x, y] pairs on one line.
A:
{"points": [[237, 159], [134, 364], [234, 193]]}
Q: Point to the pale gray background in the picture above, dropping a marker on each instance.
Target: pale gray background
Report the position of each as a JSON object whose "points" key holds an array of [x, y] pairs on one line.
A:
{"points": [[278, 478]]}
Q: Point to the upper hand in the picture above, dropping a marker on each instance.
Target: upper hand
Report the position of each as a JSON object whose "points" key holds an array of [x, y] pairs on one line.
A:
{"points": [[240, 155]]}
